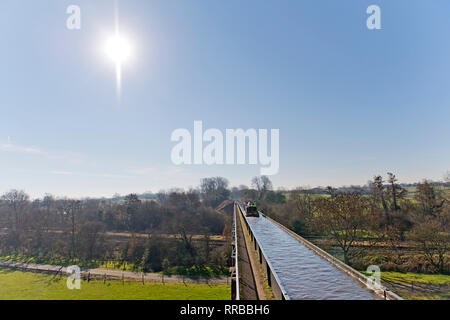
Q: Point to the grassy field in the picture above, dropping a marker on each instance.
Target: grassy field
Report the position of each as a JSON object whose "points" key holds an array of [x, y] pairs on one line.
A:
{"points": [[416, 286], [17, 285]]}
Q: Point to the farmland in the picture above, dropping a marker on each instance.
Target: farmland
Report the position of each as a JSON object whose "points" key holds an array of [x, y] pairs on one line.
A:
{"points": [[415, 286], [17, 285]]}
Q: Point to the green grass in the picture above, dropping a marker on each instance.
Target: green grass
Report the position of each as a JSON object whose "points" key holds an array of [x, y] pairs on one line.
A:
{"points": [[417, 286], [417, 278], [17, 285]]}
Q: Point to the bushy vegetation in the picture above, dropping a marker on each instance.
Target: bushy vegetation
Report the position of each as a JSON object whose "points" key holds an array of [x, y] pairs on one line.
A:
{"points": [[382, 223], [378, 225], [160, 232]]}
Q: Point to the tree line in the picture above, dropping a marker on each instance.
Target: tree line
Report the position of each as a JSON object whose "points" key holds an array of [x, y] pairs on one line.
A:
{"points": [[380, 224], [71, 229]]}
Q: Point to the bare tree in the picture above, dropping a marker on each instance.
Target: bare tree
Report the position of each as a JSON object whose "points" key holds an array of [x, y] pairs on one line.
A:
{"points": [[71, 209], [343, 216], [262, 185], [434, 240], [91, 235], [447, 177], [17, 200], [132, 203], [214, 190], [48, 205], [330, 190], [304, 204], [428, 199], [162, 197]]}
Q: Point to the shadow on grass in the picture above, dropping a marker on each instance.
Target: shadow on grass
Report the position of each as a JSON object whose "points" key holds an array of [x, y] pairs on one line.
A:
{"points": [[6, 270]]}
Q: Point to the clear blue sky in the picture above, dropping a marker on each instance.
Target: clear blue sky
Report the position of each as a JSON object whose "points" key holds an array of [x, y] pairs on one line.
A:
{"points": [[349, 102]]}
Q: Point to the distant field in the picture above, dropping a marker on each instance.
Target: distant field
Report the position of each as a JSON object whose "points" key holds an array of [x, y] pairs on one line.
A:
{"points": [[410, 192], [18, 285], [416, 286]]}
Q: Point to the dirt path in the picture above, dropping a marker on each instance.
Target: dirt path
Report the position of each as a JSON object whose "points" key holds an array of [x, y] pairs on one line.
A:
{"points": [[115, 275]]}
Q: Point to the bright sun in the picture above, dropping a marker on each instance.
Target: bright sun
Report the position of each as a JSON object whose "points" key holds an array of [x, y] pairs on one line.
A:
{"points": [[118, 49]]}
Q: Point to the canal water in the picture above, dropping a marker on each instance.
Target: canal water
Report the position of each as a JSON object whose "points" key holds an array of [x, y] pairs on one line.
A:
{"points": [[304, 274]]}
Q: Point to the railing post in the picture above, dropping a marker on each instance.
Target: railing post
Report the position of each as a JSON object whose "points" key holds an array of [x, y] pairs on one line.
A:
{"points": [[233, 288], [260, 256], [277, 287], [269, 279]]}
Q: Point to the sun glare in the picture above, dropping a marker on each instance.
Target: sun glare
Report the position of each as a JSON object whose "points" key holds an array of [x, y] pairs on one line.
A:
{"points": [[118, 49]]}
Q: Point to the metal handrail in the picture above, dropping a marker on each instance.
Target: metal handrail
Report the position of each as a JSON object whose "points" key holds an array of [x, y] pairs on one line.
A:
{"points": [[380, 290], [277, 279], [236, 261]]}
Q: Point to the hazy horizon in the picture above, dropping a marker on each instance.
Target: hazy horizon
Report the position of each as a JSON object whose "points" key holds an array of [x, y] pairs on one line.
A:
{"points": [[196, 186]]}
